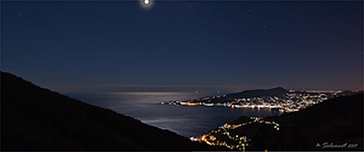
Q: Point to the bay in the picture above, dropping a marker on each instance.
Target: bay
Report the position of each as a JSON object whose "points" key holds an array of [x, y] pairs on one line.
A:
{"points": [[184, 120]]}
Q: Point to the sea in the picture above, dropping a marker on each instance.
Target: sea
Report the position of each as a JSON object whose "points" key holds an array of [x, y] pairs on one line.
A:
{"points": [[184, 120]]}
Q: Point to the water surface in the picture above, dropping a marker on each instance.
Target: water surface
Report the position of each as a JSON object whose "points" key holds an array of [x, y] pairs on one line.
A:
{"points": [[184, 120]]}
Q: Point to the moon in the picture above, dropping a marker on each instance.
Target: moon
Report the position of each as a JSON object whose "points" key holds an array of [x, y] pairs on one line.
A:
{"points": [[146, 4]]}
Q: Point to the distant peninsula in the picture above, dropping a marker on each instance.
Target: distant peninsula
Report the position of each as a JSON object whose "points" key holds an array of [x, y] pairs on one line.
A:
{"points": [[276, 98]]}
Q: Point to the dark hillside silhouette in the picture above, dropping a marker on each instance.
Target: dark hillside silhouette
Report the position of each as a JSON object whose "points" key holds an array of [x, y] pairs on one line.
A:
{"points": [[35, 118]]}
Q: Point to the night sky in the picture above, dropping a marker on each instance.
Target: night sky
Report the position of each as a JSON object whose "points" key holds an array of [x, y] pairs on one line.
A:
{"points": [[213, 46]]}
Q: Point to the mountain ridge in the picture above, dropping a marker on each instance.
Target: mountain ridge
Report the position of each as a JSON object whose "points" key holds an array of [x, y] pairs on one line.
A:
{"points": [[277, 91]]}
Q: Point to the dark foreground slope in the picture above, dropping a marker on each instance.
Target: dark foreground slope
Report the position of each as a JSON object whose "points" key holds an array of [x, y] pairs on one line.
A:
{"points": [[34, 118], [335, 124]]}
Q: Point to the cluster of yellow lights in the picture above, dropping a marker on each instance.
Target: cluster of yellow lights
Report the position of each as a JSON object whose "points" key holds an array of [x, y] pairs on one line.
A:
{"points": [[206, 141], [324, 91], [193, 103], [206, 138], [318, 91]]}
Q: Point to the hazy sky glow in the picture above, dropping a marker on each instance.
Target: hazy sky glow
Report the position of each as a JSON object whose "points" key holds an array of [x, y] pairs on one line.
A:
{"points": [[183, 46]]}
